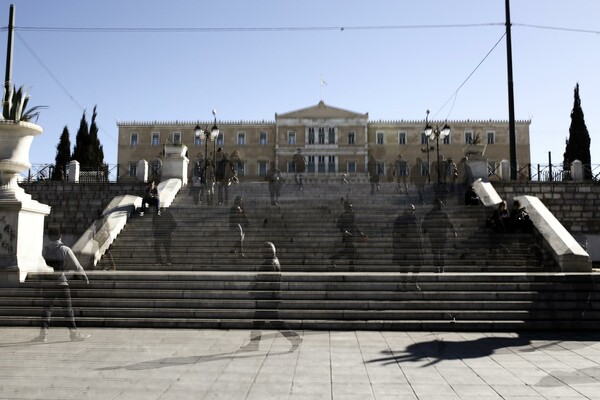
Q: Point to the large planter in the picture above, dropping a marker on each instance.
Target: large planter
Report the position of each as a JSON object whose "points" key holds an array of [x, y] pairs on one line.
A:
{"points": [[175, 150], [15, 142]]}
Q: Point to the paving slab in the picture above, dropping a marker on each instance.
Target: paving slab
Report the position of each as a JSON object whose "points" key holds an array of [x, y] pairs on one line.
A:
{"points": [[163, 364]]}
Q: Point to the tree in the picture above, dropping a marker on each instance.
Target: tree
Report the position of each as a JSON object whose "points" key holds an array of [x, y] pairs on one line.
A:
{"points": [[88, 150], [578, 144], [95, 146], [63, 156], [81, 152]]}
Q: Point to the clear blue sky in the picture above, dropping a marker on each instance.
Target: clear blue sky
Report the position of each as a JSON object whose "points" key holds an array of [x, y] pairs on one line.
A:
{"points": [[384, 68]]}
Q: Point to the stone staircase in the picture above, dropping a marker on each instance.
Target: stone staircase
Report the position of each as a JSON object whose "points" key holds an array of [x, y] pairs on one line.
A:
{"points": [[208, 287]]}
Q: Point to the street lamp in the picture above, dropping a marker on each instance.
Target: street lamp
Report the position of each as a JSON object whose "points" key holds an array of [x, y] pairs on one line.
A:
{"points": [[436, 133], [209, 135]]}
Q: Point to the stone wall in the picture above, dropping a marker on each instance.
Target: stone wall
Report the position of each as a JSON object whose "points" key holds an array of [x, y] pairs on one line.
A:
{"points": [[76, 205], [575, 204]]}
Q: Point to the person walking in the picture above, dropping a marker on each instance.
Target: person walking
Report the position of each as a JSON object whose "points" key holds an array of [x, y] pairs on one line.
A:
{"points": [[275, 184], [407, 243], [55, 288], [267, 294], [350, 233], [237, 222], [300, 166], [438, 227], [163, 226]]}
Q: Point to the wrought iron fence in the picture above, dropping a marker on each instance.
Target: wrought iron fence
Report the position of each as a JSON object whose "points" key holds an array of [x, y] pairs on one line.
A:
{"points": [[555, 172], [110, 173]]}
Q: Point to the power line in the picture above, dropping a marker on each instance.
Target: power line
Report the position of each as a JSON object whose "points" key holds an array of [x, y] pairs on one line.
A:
{"points": [[455, 94], [556, 28], [57, 81], [246, 29]]}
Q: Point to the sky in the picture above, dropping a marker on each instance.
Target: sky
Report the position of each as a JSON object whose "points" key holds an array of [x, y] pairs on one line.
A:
{"points": [[153, 60]]}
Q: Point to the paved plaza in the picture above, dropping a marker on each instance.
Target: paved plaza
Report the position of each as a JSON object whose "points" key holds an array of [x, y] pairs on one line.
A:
{"points": [[222, 364]]}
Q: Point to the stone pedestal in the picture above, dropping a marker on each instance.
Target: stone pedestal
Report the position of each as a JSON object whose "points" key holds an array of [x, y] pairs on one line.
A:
{"points": [[175, 163], [21, 218], [141, 171], [479, 167]]}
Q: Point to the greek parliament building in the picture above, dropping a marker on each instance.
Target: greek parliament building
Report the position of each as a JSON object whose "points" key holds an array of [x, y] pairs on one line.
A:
{"points": [[334, 141]]}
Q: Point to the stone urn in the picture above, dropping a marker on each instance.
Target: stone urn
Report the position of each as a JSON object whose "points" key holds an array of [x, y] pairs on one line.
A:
{"points": [[175, 150], [15, 142]]}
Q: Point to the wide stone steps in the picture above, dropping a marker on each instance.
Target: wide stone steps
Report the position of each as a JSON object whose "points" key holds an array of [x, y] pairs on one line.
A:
{"points": [[320, 300]]}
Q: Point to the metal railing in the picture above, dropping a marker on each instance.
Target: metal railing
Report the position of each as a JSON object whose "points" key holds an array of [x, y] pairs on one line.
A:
{"points": [[110, 173]]}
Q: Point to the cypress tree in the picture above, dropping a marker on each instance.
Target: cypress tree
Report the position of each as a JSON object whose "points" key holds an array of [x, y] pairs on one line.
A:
{"points": [[81, 152], [578, 144], [63, 156], [95, 146]]}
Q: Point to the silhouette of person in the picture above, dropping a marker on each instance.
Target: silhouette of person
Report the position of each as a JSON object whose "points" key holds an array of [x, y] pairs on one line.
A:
{"points": [[350, 233], [407, 242], [275, 184], [163, 226], [267, 293], [300, 167], [418, 179], [237, 223], [437, 225], [55, 288], [151, 197]]}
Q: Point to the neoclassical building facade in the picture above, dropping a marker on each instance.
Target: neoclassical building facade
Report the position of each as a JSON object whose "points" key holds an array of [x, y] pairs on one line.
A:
{"points": [[333, 141]]}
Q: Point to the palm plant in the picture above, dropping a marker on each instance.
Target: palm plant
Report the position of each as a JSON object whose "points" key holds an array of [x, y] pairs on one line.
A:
{"points": [[14, 106]]}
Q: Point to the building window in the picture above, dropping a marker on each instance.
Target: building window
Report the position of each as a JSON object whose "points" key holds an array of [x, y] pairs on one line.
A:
{"points": [[262, 138], [448, 139], [291, 167], [401, 137], [491, 137], [156, 167], [241, 138], [331, 165], [321, 135], [291, 137], [240, 168], [133, 139], [331, 136], [262, 168], [351, 167], [132, 168], [177, 137], [321, 164], [468, 137], [493, 168], [311, 163], [351, 137], [402, 168], [311, 135], [155, 141], [424, 138], [220, 139], [424, 169], [197, 140], [379, 137]]}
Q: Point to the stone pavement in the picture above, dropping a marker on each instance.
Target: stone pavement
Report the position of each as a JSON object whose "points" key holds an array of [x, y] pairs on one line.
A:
{"points": [[220, 364]]}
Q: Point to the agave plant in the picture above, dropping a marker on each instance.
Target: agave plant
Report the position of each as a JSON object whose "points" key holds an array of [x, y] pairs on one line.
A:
{"points": [[14, 106]]}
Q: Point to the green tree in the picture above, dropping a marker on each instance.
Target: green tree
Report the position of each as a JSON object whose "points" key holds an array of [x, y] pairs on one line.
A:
{"points": [[63, 156], [96, 149], [81, 151], [578, 144]]}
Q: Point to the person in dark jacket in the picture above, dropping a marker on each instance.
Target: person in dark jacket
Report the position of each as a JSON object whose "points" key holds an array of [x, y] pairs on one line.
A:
{"points": [[163, 226], [55, 288], [267, 293], [350, 234], [407, 242], [438, 227]]}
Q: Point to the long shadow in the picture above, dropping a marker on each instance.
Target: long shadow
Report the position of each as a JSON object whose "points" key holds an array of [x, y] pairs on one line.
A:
{"points": [[438, 350], [242, 352]]}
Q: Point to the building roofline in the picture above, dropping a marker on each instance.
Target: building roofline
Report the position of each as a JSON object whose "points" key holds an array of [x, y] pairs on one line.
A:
{"points": [[192, 123]]}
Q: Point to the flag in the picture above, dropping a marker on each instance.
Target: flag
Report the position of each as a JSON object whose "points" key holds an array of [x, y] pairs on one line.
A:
{"points": [[323, 83]]}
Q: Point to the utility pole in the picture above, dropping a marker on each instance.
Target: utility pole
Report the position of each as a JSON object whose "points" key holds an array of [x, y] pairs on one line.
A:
{"points": [[511, 99], [9, 56]]}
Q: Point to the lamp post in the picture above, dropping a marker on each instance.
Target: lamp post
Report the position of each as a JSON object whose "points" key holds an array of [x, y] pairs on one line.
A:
{"points": [[436, 133], [209, 135]]}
